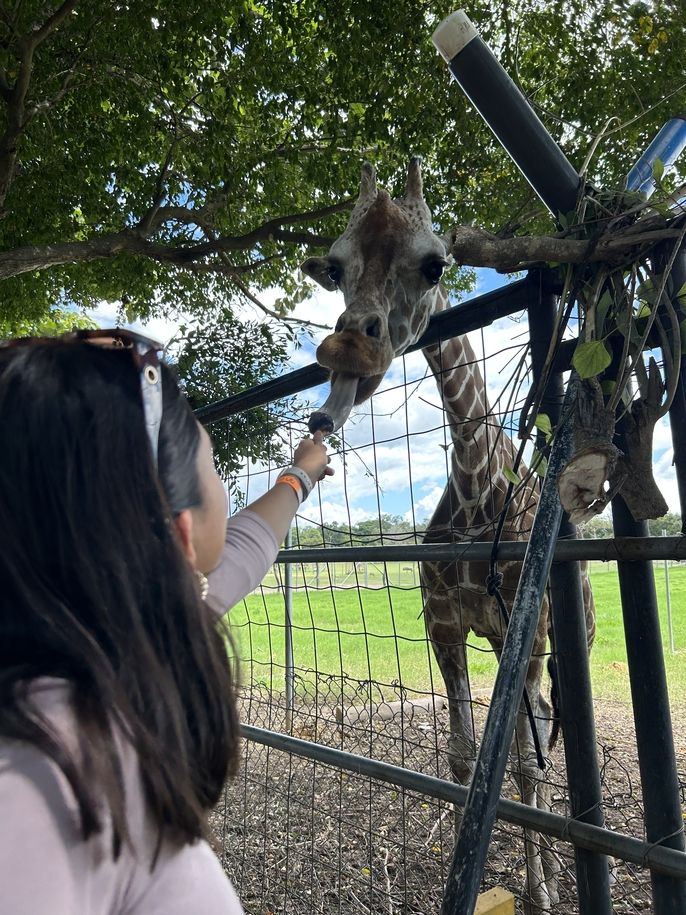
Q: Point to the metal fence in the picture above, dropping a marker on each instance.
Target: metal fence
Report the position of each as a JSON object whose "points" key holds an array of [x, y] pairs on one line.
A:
{"points": [[344, 802]]}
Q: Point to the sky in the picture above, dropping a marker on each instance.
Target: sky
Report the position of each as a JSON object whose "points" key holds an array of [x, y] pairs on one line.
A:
{"points": [[394, 454]]}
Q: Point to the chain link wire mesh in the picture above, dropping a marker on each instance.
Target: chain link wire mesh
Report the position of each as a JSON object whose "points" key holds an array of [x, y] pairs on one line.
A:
{"points": [[297, 836]]}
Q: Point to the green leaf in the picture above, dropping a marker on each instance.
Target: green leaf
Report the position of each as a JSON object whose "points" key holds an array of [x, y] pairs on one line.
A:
{"points": [[608, 386], [591, 358], [683, 335], [131, 313], [646, 292], [543, 424], [604, 303], [644, 311], [658, 170], [539, 463], [511, 476]]}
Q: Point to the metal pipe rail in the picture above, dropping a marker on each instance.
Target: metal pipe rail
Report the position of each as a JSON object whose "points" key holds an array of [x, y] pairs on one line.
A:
{"points": [[626, 549], [469, 315], [508, 114], [657, 858]]}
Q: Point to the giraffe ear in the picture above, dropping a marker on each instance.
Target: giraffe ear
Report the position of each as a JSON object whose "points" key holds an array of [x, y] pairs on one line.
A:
{"points": [[414, 187], [319, 269], [448, 240]]}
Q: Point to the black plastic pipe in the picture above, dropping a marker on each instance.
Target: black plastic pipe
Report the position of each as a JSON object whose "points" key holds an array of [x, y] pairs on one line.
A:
{"points": [[462, 885], [507, 113], [570, 647]]}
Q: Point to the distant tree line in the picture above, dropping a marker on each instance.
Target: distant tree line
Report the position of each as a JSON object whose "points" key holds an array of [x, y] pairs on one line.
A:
{"points": [[602, 526], [382, 531], [389, 529]]}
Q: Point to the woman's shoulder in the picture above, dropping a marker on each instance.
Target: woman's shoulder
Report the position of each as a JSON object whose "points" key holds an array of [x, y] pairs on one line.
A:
{"points": [[45, 864]]}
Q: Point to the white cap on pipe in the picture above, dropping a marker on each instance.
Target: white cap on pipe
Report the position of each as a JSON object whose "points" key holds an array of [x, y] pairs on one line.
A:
{"points": [[453, 34]]}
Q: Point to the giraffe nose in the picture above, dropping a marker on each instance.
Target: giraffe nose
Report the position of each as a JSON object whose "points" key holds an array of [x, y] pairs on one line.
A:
{"points": [[373, 328], [368, 325]]}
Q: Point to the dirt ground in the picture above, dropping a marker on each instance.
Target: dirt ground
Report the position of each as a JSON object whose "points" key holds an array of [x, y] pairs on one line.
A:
{"points": [[298, 837]]}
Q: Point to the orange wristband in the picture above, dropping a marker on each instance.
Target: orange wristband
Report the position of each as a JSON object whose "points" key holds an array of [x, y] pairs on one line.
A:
{"points": [[294, 483]]}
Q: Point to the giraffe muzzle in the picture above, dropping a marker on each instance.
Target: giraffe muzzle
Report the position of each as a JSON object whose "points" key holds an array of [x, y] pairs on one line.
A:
{"points": [[358, 362]]}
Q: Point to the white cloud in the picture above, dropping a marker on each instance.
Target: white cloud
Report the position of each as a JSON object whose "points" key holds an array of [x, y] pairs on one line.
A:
{"points": [[425, 507]]}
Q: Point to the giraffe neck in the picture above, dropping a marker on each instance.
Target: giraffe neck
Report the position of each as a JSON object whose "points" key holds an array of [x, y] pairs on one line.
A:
{"points": [[481, 449]]}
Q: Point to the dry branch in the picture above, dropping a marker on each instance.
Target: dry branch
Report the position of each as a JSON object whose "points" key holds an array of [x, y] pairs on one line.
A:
{"points": [[475, 247]]}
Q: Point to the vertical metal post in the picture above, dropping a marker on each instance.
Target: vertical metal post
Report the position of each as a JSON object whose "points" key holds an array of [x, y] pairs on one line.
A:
{"points": [[677, 411], [668, 597], [288, 632], [655, 742], [570, 644], [472, 843]]}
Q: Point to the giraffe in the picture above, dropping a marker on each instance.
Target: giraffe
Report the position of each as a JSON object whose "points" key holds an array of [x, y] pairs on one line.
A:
{"points": [[388, 263]]}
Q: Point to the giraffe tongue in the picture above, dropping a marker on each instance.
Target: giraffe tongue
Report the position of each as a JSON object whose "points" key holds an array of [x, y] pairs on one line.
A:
{"points": [[338, 405]]}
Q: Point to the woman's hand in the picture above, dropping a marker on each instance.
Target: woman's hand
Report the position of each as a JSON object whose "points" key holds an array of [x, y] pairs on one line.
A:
{"points": [[311, 456]]}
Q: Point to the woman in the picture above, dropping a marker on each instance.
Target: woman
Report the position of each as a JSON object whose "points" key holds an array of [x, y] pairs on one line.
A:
{"points": [[118, 722]]}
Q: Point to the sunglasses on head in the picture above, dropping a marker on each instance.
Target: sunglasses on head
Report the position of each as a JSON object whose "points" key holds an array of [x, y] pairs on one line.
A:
{"points": [[144, 352]]}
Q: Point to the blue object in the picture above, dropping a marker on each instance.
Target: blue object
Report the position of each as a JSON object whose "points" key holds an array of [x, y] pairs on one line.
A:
{"points": [[667, 147]]}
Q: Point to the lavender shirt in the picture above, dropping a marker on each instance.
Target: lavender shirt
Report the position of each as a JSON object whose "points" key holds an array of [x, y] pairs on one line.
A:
{"points": [[45, 867]]}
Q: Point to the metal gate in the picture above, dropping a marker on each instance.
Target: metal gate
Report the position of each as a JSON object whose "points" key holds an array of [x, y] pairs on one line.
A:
{"points": [[344, 802]]}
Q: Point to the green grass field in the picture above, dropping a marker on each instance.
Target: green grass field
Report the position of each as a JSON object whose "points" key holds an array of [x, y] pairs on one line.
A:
{"points": [[377, 633]]}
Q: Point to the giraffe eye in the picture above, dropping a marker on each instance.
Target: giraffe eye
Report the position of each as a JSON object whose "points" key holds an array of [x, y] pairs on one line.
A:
{"points": [[433, 271], [334, 272]]}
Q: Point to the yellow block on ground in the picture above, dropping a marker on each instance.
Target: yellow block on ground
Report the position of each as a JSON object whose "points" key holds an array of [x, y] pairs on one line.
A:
{"points": [[495, 902]]}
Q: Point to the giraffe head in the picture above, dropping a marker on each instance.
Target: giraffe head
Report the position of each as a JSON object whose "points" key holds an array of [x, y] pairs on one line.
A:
{"points": [[387, 263]]}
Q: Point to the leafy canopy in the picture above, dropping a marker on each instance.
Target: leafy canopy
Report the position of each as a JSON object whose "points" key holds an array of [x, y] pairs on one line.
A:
{"points": [[172, 146]]}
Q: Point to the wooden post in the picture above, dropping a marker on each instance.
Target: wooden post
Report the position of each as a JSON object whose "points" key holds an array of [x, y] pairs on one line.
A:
{"points": [[495, 902]]}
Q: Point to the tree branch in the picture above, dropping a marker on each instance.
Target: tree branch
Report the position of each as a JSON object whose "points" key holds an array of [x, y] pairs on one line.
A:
{"points": [[41, 32], [475, 247], [42, 257], [148, 221], [268, 231], [274, 314], [15, 96]]}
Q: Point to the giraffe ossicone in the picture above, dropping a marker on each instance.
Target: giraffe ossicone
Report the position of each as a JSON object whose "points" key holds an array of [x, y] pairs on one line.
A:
{"points": [[387, 263]]}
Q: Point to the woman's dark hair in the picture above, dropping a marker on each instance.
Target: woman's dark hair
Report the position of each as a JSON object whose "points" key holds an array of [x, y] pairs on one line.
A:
{"points": [[95, 590]]}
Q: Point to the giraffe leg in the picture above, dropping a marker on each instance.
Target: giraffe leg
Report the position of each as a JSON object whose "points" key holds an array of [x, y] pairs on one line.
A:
{"points": [[448, 643], [542, 865]]}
